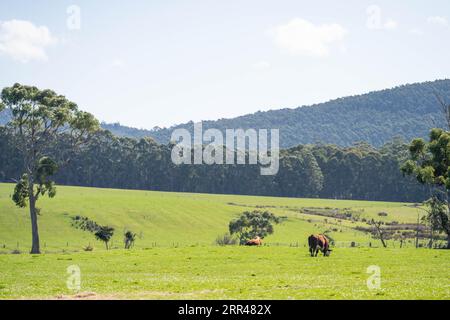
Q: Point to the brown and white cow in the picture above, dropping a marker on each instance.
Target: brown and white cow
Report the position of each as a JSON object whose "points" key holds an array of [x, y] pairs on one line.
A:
{"points": [[319, 242], [254, 242]]}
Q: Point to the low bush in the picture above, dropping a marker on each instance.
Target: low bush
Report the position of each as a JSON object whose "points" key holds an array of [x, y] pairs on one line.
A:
{"points": [[226, 240]]}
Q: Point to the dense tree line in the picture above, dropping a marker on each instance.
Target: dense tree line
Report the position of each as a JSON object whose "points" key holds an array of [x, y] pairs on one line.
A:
{"points": [[327, 171]]}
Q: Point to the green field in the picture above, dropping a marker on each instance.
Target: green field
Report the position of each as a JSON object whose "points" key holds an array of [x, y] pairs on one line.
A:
{"points": [[175, 256]]}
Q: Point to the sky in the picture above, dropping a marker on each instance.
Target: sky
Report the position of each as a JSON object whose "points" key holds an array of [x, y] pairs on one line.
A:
{"points": [[160, 63]]}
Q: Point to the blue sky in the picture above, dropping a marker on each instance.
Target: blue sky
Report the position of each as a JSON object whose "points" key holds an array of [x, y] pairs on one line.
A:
{"points": [[158, 63]]}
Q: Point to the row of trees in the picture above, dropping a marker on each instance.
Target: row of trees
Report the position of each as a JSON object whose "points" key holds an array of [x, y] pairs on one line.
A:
{"points": [[326, 171]]}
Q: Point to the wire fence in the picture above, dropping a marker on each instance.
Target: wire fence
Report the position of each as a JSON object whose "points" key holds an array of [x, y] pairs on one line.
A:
{"points": [[22, 247]]}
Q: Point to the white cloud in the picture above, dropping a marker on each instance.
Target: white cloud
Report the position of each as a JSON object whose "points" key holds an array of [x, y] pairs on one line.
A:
{"points": [[23, 41], [437, 20], [261, 65], [301, 37]]}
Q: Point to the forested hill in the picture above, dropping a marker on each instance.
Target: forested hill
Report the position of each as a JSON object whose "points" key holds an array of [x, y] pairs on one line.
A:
{"points": [[407, 111]]}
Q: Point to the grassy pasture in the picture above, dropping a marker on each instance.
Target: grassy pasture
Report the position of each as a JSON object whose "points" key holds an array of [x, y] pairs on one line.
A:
{"points": [[168, 219], [208, 272], [185, 263]]}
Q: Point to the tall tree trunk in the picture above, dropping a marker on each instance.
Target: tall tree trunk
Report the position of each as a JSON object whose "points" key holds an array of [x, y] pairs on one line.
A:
{"points": [[35, 247]]}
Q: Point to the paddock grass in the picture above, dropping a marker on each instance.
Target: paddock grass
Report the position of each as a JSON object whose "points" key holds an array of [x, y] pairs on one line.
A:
{"points": [[208, 272], [175, 256], [165, 219]]}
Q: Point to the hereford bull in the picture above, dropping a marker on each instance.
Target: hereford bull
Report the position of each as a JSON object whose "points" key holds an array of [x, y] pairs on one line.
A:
{"points": [[319, 242], [254, 242]]}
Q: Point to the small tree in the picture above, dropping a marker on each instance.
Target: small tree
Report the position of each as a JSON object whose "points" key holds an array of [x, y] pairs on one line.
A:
{"points": [[437, 217], [129, 238], [253, 224], [40, 118], [430, 164], [378, 232], [104, 233]]}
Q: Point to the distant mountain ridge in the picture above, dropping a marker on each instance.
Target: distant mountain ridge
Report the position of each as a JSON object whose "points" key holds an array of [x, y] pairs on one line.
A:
{"points": [[407, 111]]}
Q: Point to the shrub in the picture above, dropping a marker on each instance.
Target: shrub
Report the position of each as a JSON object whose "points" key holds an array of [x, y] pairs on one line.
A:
{"points": [[128, 238], [226, 240], [85, 224], [88, 248]]}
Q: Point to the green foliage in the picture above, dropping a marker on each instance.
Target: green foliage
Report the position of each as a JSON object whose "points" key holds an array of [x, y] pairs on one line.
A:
{"points": [[408, 167], [438, 214], [104, 233], [46, 168], [129, 239], [324, 171], [85, 224], [21, 192], [39, 119], [252, 224], [417, 148], [430, 164]]}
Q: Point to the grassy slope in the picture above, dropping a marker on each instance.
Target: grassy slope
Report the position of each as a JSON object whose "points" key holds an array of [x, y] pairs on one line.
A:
{"points": [[197, 269], [167, 218]]}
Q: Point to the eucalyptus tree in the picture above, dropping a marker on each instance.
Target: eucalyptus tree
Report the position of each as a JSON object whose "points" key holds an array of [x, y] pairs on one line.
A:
{"points": [[40, 119], [429, 163]]}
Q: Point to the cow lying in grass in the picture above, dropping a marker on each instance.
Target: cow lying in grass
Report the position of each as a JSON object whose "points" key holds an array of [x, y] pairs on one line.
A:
{"points": [[254, 242], [319, 242]]}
